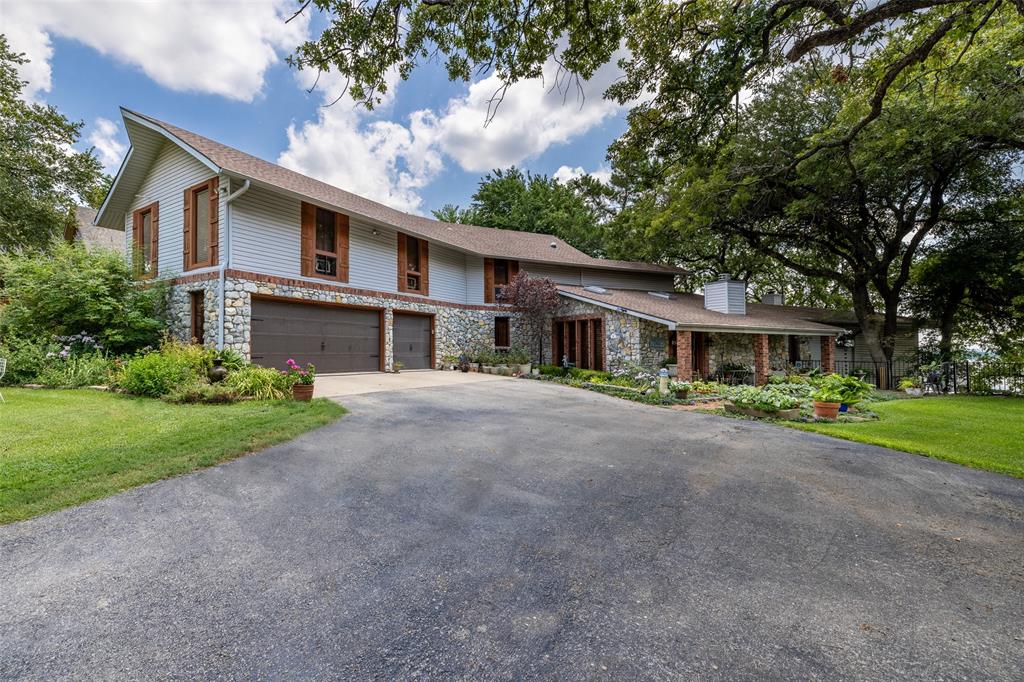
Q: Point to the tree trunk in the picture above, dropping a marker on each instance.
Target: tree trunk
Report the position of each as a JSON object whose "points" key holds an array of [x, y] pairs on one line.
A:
{"points": [[947, 323], [872, 325]]}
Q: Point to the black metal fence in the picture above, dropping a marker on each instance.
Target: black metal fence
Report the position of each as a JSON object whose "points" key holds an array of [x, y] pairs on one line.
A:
{"points": [[976, 376]]}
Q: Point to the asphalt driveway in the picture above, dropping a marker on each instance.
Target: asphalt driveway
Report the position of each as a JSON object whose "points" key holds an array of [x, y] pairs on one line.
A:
{"points": [[514, 530]]}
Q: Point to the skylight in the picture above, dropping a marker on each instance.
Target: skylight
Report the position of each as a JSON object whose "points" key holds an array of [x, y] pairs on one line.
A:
{"points": [[595, 289], [660, 294]]}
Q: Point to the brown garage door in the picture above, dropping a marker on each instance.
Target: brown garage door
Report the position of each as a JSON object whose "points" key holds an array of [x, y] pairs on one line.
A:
{"points": [[412, 340], [334, 339]]}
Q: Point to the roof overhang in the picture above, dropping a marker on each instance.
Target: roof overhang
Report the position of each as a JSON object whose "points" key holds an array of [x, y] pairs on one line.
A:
{"points": [[130, 175], [635, 313], [794, 330]]}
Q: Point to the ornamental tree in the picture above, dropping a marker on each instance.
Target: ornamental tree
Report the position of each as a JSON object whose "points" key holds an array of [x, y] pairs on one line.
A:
{"points": [[536, 299]]}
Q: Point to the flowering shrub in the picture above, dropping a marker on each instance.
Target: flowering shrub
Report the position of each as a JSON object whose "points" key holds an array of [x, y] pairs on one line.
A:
{"points": [[76, 344], [637, 374], [300, 375]]}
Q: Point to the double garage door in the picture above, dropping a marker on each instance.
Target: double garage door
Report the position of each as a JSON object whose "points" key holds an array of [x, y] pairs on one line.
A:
{"points": [[334, 339]]}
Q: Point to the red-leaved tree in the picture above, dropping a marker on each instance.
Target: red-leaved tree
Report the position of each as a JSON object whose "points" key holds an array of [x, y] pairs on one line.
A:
{"points": [[535, 299]]}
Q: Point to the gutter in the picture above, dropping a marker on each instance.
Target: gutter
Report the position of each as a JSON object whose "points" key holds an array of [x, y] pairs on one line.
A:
{"points": [[226, 260]]}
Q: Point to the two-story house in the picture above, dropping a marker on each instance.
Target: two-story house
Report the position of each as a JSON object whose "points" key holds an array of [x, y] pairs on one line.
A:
{"points": [[278, 265]]}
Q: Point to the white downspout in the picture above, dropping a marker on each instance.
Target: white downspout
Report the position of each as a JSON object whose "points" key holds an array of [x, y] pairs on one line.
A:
{"points": [[226, 260]]}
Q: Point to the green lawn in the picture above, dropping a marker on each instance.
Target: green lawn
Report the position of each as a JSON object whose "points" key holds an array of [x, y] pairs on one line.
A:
{"points": [[980, 432], [61, 448]]}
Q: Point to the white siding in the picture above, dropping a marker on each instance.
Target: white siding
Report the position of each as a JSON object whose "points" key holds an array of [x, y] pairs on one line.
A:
{"points": [[474, 279], [906, 347], [266, 235], [614, 279], [172, 172]]}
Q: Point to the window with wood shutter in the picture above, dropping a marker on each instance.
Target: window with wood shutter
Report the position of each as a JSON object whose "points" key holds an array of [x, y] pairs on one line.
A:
{"points": [[145, 237], [498, 272], [197, 303], [502, 336], [413, 265], [201, 219], [324, 243]]}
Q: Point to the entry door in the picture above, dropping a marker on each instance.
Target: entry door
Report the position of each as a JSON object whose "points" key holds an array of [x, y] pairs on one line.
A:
{"points": [[413, 340]]}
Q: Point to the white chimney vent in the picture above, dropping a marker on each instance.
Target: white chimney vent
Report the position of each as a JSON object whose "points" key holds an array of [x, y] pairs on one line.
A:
{"points": [[726, 295], [773, 298]]}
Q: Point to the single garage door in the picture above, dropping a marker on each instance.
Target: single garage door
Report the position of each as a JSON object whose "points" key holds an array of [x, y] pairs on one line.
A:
{"points": [[412, 340], [334, 339]]}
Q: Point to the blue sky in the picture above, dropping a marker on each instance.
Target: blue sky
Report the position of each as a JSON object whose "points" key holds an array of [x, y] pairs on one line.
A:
{"points": [[427, 145]]}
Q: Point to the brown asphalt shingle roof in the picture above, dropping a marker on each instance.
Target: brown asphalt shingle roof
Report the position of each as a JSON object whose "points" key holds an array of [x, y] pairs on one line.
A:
{"points": [[93, 236], [482, 240], [688, 312]]}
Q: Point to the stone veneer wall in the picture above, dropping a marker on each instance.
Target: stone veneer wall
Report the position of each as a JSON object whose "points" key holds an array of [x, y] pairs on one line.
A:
{"points": [[739, 349], [627, 339], [457, 329]]}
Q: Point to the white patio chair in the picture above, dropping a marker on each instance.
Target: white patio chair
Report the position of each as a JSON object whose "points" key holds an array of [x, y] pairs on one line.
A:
{"points": [[3, 369]]}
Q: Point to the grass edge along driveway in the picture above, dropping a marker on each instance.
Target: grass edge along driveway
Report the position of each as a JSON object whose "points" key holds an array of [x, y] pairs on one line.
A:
{"points": [[984, 432], [63, 448]]}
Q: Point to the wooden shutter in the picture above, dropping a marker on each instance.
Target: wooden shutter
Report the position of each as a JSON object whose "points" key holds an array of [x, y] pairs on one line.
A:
{"points": [[154, 227], [214, 225], [341, 241], [424, 267], [488, 280], [402, 263], [513, 270], [308, 235], [186, 212]]}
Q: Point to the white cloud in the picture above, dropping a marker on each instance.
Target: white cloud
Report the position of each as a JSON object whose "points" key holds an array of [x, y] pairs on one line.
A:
{"points": [[565, 174], [390, 161], [220, 48], [109, 149]]}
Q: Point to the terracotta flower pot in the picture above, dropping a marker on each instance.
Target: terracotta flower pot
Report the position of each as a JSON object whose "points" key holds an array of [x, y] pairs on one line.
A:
{"points": [[826, 410], [303, 392]]}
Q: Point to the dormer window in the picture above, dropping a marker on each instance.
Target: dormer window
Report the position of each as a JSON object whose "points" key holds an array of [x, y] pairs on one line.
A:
{"points": [[498, 272], [413, 264]]}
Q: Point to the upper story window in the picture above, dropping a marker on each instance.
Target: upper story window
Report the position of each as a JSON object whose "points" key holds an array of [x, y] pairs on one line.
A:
{"points": [[413, 264], [498, 272], [324, 243], [201, 212], [145, 232]]}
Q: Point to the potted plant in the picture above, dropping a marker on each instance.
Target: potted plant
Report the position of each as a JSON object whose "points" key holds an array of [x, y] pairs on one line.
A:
{"points": [[911, 386], [397, 366], [520, 359], [852, 390], [671, 365], [828, 397], [302, 380], [680, 388]]}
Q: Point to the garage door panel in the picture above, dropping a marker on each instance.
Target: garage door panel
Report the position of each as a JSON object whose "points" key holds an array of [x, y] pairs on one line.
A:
{"points": [[332, 338], [412, 340]]}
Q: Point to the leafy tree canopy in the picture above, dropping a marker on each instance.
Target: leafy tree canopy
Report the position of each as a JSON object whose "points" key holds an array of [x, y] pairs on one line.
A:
{"points": [[514, 200], [41, 178]]}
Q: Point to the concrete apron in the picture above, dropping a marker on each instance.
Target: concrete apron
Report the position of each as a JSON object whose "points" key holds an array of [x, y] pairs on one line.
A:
{"points": [[339, 385]]}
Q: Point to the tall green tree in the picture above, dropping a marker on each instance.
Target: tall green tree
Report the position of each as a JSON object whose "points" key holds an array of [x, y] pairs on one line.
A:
{"points": [[514, 200], [41, 178], [970, 284]]}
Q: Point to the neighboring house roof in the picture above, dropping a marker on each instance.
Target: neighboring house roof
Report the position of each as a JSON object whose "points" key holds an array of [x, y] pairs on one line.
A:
{"points": [[93, 236], [687, 311], [485, 241]]}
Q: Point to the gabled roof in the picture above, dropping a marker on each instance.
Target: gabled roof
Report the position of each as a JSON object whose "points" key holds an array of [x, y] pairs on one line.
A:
{"points": [[687, 311], [486, 241]]}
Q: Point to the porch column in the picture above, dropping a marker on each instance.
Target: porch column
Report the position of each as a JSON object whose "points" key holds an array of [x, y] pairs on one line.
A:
{"points": [[761, 366], [828, 354], [684, 355]]}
